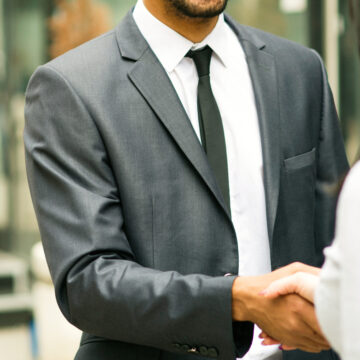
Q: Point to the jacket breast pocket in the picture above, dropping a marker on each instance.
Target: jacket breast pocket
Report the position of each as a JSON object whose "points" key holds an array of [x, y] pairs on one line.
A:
{"points": [[294, 233], [300, 161]]}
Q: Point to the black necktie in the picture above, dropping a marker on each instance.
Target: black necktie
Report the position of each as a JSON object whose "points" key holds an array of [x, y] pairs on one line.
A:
{"points": [[211, 127]]}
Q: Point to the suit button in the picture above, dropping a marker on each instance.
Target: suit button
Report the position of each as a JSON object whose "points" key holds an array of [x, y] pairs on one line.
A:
{"points": [[212, 352], [203, 350], [185, 348], [193, 350]]}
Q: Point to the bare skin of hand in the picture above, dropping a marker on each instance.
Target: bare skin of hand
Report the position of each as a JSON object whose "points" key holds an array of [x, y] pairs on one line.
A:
{"points": [[301, 283], [290, 319]]}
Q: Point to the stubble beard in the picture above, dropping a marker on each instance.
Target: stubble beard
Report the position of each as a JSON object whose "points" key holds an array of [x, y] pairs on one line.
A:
{"points": [[200, 9]]}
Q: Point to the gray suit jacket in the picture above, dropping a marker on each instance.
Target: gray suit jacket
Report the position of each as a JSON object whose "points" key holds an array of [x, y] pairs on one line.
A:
{"points": [[135, 230]]}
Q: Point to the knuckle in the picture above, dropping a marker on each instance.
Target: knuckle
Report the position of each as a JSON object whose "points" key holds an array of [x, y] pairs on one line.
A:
{"points": [[297, 276], [294, 324], [296, 266], [298, 305]]}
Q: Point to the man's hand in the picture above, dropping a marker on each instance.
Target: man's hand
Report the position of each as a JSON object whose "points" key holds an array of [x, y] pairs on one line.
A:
{"points": [[301, 283], [289, 319]]}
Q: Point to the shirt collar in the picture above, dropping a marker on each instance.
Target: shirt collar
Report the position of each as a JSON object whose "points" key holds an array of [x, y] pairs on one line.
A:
{"points": [[170, 47]]}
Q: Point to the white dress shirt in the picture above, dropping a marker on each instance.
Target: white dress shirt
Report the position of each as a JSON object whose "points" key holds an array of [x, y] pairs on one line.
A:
{"points": [[233, 91], [337, 297]]}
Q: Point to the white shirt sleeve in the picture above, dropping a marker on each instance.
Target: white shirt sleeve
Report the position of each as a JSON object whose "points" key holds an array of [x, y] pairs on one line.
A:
{"points": [[337, 298]]}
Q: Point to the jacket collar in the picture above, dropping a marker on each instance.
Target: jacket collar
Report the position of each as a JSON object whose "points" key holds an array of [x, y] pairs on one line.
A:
{"points": [[132, 44]]}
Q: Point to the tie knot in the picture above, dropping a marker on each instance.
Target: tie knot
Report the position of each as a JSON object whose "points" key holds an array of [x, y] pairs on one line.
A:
{"points": [[202, 59]]}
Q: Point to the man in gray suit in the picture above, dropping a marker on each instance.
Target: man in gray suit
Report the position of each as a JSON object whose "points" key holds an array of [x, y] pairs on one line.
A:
{"points": [[169, 156]]}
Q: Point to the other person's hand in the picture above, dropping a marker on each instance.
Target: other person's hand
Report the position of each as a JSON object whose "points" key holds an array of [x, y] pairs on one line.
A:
{"points": [[301, 283]]}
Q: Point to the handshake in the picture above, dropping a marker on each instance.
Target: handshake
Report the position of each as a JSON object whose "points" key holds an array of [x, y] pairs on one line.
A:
{"points": [[281, 303]]}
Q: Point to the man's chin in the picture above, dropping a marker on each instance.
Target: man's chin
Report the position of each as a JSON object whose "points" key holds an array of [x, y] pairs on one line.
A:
{"points": [[199, 8]]}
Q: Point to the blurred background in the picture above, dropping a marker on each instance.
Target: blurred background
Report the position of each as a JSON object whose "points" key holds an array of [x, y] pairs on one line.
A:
{"points": [[34, 31]]}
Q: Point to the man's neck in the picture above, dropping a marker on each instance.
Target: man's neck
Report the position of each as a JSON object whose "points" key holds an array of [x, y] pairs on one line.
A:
{"points": [[193, 29]]}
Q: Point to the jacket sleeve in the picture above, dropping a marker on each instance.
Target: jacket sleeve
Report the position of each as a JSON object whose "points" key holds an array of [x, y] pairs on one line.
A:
{"points": [[99, 286], [332, 166]]}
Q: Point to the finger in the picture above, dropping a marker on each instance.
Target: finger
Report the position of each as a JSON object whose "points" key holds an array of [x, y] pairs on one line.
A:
{"points": [[301, 283], [316, 343], [308, 316], [306, 333], [268, 338], [311, 349], [306, 285], [308, 340], [269, 341], [317, 337], [305, 344], [312, 270], [287, 348], [300, 267], [307, 336], [284, 286], [263, 335]]}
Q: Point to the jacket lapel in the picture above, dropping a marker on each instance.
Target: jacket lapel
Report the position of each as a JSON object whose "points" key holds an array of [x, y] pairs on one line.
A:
{"points": [[263, 74], [152, 81]]}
